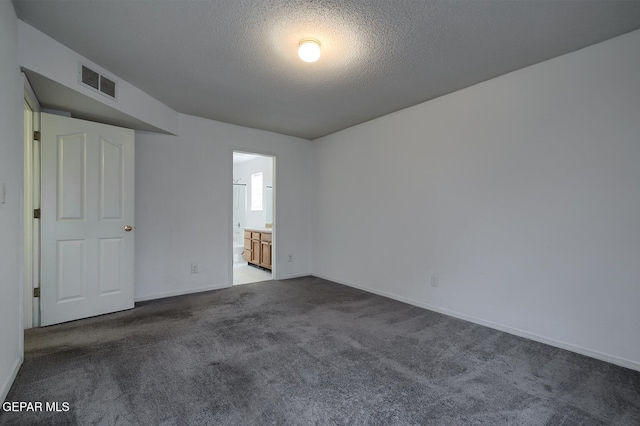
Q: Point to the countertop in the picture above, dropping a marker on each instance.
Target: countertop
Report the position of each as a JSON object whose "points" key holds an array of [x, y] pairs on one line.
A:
{"points": [[265, 230]]}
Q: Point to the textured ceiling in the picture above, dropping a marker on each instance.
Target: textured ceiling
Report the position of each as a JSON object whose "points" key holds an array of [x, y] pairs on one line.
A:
{"points": [[236, 60]]}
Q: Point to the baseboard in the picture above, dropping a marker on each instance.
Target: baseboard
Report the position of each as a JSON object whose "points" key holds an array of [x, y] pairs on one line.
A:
{"points": [[289, 277], [6, 386], [623, 362], [179, 292]]}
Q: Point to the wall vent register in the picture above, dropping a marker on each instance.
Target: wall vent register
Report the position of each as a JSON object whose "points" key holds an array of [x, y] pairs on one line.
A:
{"points": [[97, 81]]}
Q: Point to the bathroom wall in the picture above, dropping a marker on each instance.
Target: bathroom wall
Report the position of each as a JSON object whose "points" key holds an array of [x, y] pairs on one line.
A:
{"points": [[243, 171], [239, 212]]}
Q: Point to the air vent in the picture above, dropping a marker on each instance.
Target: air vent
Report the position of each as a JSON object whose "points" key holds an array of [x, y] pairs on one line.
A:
{"points": [[97, 81], [108, 87], [90, 78]]}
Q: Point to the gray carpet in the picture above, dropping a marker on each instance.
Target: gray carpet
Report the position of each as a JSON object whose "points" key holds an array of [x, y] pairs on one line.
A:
{"points": [[308, 351]]}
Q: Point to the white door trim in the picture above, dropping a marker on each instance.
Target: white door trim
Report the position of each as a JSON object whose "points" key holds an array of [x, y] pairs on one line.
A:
{"points": [[31, 201], [274, 244]]}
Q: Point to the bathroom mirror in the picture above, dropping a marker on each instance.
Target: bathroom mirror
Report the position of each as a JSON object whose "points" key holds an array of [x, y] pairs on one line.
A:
{"points": [[268, 195]]}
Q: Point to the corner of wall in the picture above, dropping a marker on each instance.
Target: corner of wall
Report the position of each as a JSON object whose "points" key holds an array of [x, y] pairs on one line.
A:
{"points": [[6, 386], [11, 165]]}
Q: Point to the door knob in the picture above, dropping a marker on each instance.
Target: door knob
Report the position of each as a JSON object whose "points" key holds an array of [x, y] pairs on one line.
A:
{"points": [[128, 228]]}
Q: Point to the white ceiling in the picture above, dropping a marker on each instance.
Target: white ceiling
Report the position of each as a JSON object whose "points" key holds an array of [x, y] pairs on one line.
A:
{"points": [[241, 157], [235, 60]]}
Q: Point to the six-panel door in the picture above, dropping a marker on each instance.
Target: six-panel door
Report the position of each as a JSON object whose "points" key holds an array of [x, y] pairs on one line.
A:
{"points": [[87, 202]]}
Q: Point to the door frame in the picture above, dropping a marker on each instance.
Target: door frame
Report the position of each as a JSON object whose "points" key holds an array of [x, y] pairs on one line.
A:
{"points": [[31, 201], [274, 231]]}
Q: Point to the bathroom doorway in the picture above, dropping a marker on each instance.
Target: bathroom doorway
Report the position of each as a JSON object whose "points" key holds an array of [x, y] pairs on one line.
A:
{"points": [[253, 224]]}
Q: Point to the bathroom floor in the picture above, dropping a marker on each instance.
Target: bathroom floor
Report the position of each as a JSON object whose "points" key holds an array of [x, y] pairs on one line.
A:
{"points": [[245, 274]]}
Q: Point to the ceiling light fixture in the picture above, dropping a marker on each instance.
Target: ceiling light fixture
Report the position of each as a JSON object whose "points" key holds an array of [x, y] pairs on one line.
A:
{"points": [[309, 50]]}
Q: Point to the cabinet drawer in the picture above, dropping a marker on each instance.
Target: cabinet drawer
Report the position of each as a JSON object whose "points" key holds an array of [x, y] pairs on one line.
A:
{"points": [[247, 243], [247, 234], [266, 237], [255, 235]]}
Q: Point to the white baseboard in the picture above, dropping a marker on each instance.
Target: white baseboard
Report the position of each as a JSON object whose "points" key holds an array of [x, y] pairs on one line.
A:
{"points": [[7, 384], [288, 277], [623, 362], [179, 292]]}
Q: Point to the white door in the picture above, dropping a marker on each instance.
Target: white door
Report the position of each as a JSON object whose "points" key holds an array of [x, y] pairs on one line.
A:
{"points": [[87, 219]]}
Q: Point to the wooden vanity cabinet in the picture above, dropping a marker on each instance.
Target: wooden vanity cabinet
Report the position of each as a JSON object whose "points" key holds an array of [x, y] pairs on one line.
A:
{"points": [[257, 248], [247, 246], [265, 250]]}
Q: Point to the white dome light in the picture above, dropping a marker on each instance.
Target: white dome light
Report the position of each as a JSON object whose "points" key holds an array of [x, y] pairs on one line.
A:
{"points": [[309, 50]]}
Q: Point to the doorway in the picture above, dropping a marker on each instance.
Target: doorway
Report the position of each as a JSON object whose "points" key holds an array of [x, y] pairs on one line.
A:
{"points": [[77, 263], [253, 217]]}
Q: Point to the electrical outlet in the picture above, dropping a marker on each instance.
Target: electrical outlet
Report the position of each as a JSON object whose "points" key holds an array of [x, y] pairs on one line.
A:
{"points": [[194, 268], [290, 258], [434, 281]]}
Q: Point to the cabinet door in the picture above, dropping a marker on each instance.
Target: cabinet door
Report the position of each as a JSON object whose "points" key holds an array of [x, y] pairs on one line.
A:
{"points": [[247, 246], [266, 254], [255, 251], [247, 250]]}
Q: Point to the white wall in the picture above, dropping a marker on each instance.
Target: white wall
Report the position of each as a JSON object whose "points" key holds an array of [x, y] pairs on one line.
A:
{"points": [[521, 194], [183, 183], [45, 56], [244, 170], [11, 151], [183, 205]]}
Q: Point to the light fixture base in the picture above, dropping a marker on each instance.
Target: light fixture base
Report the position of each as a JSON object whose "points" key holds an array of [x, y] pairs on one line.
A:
{"points": [[309, 49]]}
